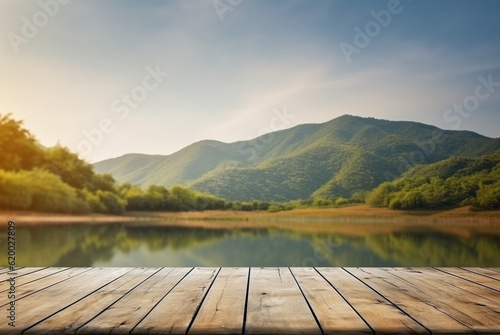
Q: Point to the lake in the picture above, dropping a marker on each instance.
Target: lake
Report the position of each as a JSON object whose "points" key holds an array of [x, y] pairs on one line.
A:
{"points": [[297, 243]]}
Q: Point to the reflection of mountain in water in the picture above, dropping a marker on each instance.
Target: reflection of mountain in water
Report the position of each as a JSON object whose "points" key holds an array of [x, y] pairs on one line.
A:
{"points": [[87, 244], [437, 249]]}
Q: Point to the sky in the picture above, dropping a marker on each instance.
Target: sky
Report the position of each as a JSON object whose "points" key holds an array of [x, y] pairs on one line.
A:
{"points": [[106, 78]]}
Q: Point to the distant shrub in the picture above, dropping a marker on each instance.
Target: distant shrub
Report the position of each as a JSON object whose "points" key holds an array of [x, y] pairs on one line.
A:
{"points": [[341, 201], [38, 190], [275, 208]]}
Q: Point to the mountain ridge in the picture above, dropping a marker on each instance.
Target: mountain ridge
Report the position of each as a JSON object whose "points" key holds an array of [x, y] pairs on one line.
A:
{"points": [[337, 158]]}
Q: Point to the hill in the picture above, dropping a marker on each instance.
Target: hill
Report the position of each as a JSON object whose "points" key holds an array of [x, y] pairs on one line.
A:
{"points": [[56, 180], [450, 183], [36, 178], [338, 158]]}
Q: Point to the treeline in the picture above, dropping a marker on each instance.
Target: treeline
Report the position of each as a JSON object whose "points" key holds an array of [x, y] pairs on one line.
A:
{"points": [[159, 198], [177, 198], [451, 183], [56, 180], [36, 178]]}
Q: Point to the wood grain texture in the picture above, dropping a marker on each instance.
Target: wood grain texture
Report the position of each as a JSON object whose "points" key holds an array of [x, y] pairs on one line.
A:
{"points": [[255, 301], [173, 314], [4, 270], [276, 304], [376, 310], [493, 284], [454, 298], [489, 272], [223, 310], [53, 299], [69, 320], [413, 299], [43, 283], [19, 272], [334, 314], [125, 314], [34, 276]]}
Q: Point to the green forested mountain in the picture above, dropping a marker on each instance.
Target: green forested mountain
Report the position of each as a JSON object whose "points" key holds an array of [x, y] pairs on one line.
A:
{"points": [[453, 182], [334, 159]]}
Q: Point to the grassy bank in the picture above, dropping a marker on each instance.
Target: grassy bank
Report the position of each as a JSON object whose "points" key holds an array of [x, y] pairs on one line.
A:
{"points": [[352, 213]]}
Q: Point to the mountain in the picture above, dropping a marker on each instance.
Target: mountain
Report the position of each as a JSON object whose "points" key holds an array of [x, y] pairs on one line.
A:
{"points": [[450, 183], [329, 160]]}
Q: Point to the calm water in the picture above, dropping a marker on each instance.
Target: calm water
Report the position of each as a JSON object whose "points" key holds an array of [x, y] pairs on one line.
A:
{"points": [[143, 244]]}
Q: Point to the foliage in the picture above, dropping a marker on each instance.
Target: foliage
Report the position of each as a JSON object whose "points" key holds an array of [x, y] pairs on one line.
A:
{"points": [[38, 190], [19, 149], [50, 179], [328, 165], [330, 160], [159, 198], [447, 184]]}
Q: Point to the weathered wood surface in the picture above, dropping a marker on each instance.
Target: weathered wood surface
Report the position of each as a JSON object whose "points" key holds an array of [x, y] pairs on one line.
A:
{"points": [[223, 310], [276, 304], [252, 301]]}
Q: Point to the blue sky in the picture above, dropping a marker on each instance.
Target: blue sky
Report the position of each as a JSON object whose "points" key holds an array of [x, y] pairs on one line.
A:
{"points": [[238, 69]]}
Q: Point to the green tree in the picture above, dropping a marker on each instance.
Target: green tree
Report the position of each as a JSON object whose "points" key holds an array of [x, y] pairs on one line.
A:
{"points": [[72, 170], [20, 151]]}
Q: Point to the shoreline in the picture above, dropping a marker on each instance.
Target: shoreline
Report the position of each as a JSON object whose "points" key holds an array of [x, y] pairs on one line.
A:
{"points": [[352, 213]]}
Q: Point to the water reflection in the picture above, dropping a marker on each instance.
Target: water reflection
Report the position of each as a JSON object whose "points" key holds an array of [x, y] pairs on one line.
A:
{"points": [[140, 244]]}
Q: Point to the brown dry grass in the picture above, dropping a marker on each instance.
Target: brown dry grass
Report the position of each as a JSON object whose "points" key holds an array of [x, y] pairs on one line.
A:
{"points": [[348, 213], [356, 220]]}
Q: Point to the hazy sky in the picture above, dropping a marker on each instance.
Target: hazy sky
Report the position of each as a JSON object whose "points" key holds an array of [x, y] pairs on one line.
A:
{"points": [[237, 69]]}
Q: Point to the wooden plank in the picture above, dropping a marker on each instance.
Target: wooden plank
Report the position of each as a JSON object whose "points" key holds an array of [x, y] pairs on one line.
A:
{"points": [[376, 310], [5, 270], [492, 273], [35, 276], [223, 309], [72, 318], [125, 314], [43, 283], [472, 310], [334, 314], [412, 299], [276, 304], [464, 287], [18, 273], [493, 284], [44, 303], [477, 293], [351, 300], [174, 313]]}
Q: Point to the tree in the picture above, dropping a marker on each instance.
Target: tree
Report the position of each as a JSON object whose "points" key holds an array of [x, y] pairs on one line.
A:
{"points": [[20, 151], [72, 170]]}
